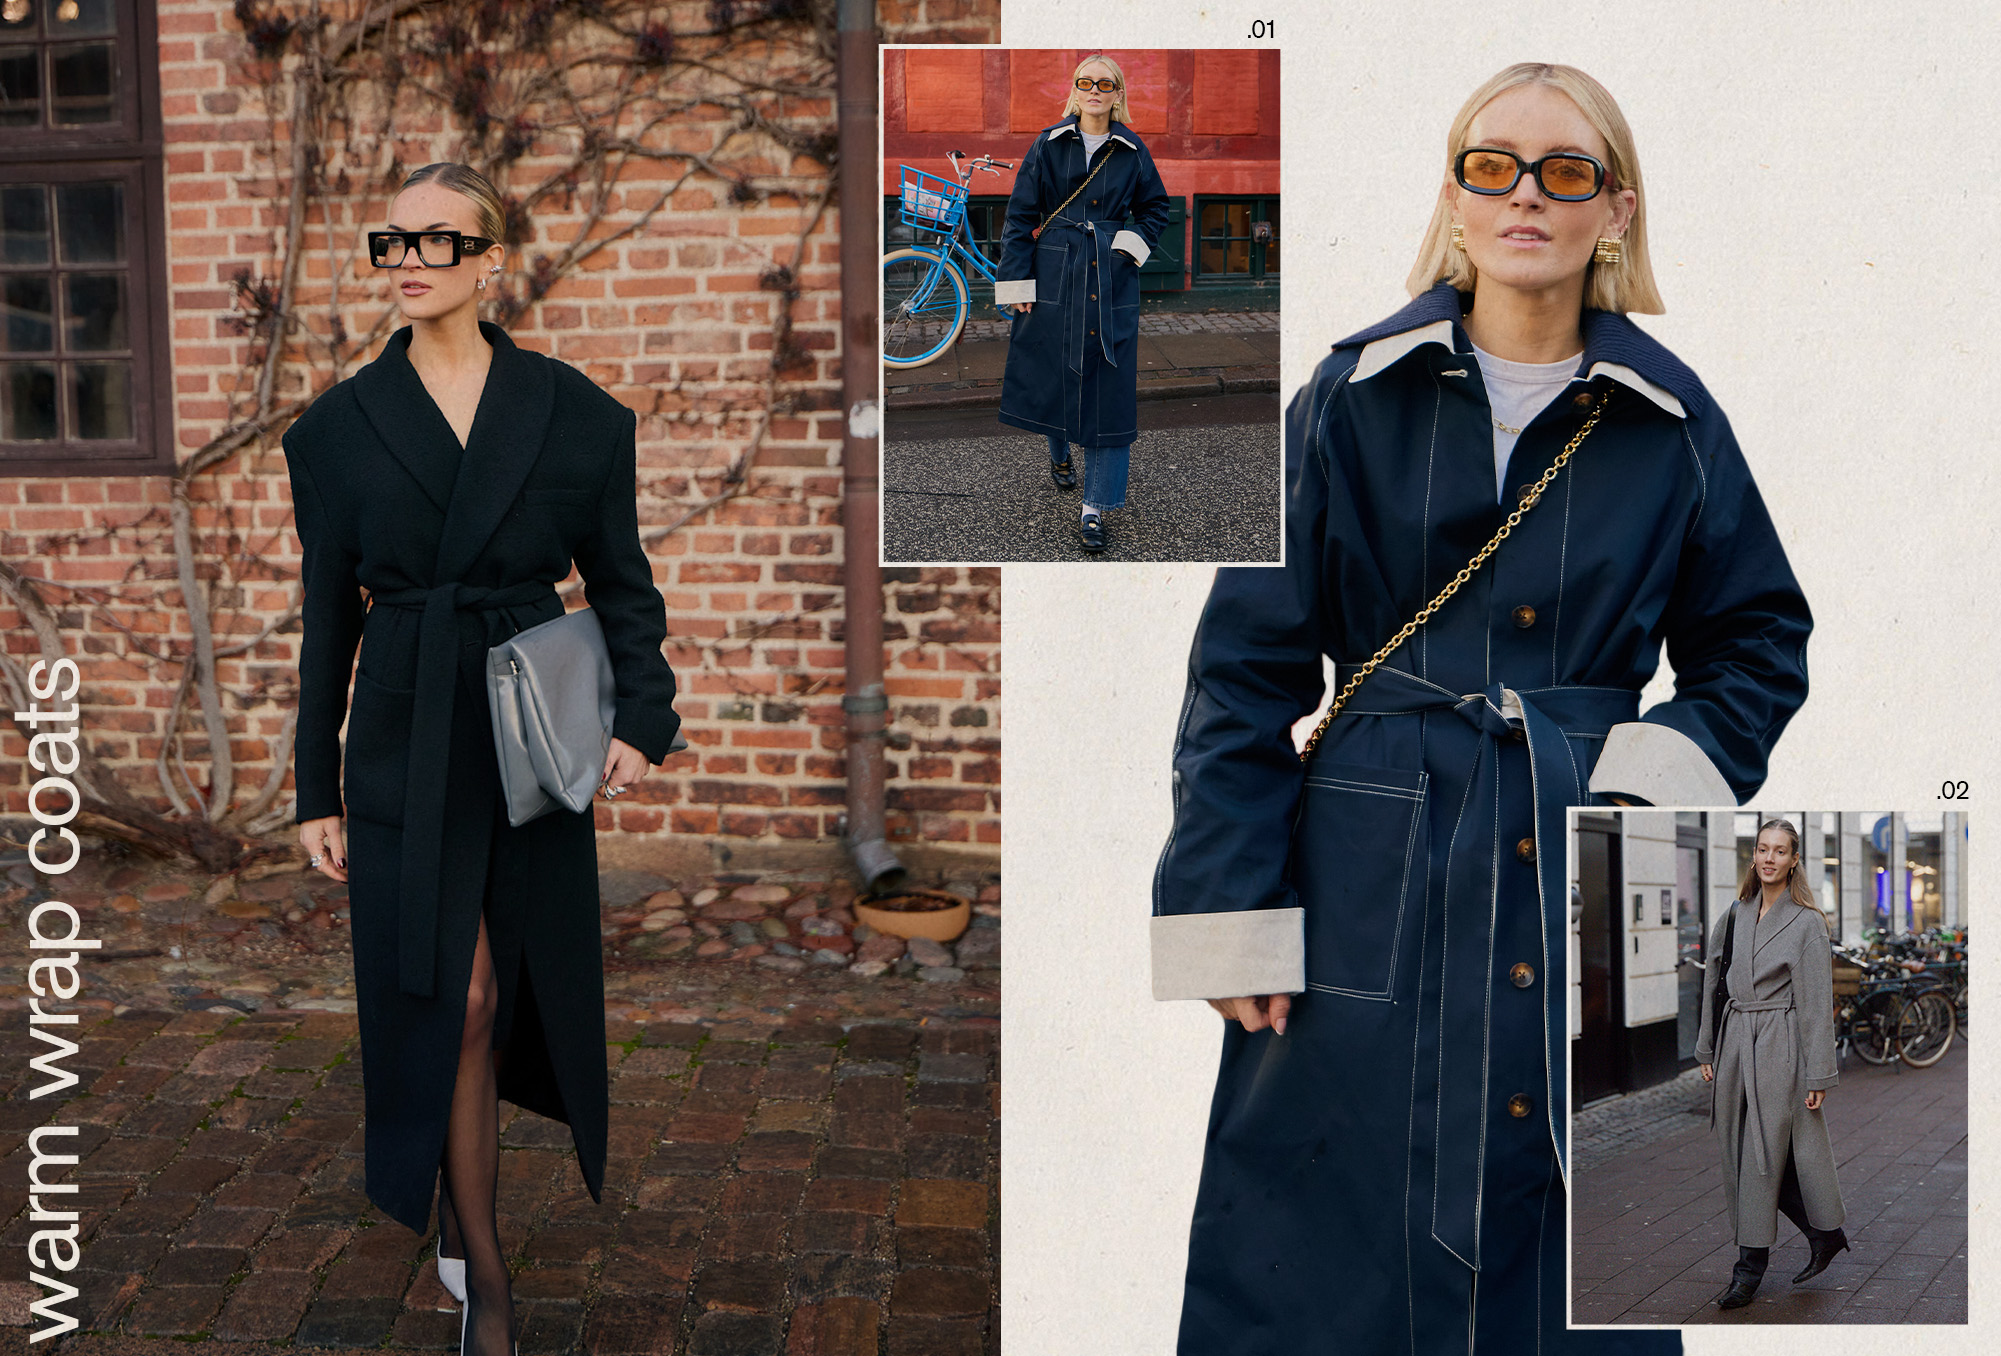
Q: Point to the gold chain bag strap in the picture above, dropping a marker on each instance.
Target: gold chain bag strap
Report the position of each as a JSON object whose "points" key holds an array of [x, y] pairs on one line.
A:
{"points": [[1036, 234], [1528, 502]]}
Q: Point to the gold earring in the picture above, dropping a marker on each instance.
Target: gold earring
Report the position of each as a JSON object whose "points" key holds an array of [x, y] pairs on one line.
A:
{"points": [[1608, 251], [1458, 237]]}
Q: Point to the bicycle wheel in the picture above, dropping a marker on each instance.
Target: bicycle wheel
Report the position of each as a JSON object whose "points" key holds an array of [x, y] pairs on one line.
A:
{"points": [[924, 306], [1875, 1029], [1925, 1029]]}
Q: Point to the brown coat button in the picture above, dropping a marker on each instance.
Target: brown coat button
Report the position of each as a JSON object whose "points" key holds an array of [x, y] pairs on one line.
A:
{"points": [[1522, 492], [1582, 400], [1523, 975], [1094, 263], [1520, 1105], [1526, 849], [1524, 616], [1517, 735], [1094, 296]]}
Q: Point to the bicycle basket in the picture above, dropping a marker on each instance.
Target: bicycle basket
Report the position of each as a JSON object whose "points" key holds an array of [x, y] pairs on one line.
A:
{"points": [[930, 203]]}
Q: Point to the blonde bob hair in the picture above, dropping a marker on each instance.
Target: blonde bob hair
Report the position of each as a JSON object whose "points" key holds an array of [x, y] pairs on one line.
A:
{"points": [[1625, 286], [1074, 104], [467, 182]]}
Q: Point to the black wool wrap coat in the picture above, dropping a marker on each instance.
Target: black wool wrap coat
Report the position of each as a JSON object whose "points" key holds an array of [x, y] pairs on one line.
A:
{"points": [[459, 549], [1073, 359], [1389, 1175]]}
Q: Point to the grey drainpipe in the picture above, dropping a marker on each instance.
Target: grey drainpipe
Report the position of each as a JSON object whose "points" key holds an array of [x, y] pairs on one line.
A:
{"points": [[866, 705]]}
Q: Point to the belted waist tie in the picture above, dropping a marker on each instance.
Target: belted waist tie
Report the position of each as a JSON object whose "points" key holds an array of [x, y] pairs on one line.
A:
{"points": [[1757, 1115], [1547, 715], [1092, 307], [430, 747]]}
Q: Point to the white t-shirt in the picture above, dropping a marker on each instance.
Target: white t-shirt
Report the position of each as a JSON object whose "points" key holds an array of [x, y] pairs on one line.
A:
{"points": [[1517, 392], [1091, 143]]}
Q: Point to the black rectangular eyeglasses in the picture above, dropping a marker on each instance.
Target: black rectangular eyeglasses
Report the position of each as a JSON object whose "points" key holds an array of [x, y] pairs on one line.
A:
{"points": [[1565, 175], [435, 249]]}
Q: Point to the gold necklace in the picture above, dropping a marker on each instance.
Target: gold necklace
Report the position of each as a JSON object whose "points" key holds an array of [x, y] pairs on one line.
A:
{"points": [[1503, 427]]}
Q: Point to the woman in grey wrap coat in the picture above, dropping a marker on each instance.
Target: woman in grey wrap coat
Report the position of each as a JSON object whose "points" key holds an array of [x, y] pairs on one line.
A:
{"points": [[1772, 1062]]}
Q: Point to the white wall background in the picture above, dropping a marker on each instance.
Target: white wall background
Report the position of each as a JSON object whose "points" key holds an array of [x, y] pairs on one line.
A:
{"points": [[1825, 216]]}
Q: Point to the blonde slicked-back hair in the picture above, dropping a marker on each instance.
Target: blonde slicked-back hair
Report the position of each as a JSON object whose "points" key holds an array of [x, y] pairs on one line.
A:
{"points": [[470, 183], [1118, 109], [1625, 286]]}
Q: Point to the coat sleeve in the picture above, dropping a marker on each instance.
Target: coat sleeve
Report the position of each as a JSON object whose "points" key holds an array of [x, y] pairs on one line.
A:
{"points": [[1705, 1048], [1736, 627], [1016, 274], [1150, 211], [618, 584], [1813, 1004], [332, 612], [1226, 922]]}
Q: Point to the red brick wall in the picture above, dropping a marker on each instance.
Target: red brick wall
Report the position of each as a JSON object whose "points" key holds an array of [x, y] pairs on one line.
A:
{"points": [[677, 321]]}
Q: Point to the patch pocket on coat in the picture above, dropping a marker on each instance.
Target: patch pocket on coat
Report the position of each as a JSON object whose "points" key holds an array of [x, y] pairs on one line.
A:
{"points": [[375, 764], [1357, 865]]}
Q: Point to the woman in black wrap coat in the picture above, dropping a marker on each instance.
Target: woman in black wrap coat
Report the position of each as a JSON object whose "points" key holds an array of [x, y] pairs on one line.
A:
{"points": [[476, 945], [1386, 922]]}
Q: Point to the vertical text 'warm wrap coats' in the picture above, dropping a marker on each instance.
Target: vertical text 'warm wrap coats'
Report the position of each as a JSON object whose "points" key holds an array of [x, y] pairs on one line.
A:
{"points": [[1387, 1177], [1073, 360], [460, 549], [1777, 1045]]}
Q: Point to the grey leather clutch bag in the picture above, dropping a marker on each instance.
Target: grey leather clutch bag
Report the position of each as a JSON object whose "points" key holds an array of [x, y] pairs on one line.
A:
{"points": [[553, 699]]}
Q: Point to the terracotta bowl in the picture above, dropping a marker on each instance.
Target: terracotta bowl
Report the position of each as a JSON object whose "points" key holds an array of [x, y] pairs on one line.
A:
{"points": [[942, 923]]}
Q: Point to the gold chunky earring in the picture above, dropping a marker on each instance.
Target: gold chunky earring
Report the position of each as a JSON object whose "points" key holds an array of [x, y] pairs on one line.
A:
{"points": [[1608, 251], [1459, 237]]}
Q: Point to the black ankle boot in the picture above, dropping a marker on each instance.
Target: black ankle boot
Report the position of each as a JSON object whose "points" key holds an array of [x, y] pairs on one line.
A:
{"points": [[1825, 1244], [1744, 1277]]}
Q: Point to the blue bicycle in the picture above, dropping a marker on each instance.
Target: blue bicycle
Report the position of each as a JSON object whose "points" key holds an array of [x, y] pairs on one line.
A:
{"points": [[925, 296]]}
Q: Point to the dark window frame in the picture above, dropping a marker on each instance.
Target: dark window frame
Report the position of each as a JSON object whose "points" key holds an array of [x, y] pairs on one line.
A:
{"points": [[1259, 250], [128, 149]]}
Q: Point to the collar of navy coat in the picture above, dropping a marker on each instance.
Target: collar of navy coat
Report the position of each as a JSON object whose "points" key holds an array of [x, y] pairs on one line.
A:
{"points": [[1614, 347], [1115, 129], [507, 435]]}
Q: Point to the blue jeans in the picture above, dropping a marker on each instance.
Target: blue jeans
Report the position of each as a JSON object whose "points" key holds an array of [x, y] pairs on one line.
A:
{"points": [[1104, 472]]}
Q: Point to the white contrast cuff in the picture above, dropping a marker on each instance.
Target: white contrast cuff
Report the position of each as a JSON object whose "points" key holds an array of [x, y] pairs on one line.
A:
{"points": [[1659, 765], [1130, 242], [1229, 955], [1008, 293]]}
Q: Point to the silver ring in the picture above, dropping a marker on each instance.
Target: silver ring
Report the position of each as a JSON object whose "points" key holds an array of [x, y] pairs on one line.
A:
{"points": [[611, 791], [314, 860]]}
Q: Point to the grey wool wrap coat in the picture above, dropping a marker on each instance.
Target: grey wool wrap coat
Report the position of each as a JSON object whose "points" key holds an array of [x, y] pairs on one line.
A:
{"points": [[1777, 1045], [458, 549]]}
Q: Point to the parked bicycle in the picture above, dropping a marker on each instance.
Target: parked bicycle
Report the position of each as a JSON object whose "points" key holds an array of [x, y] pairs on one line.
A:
{"points": [[1886, 1009], [925, 295]]}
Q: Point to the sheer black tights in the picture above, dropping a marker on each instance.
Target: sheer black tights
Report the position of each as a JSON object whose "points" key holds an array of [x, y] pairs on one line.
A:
{"points": [[467, 1225]]}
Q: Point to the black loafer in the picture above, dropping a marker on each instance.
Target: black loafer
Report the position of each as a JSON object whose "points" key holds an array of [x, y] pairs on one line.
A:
{"points": [[1064, 474], [1092, 532], [1738, 1295]]}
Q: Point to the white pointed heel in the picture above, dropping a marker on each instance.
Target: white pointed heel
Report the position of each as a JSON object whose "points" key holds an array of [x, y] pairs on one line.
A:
{"points": [[452, 1271]]}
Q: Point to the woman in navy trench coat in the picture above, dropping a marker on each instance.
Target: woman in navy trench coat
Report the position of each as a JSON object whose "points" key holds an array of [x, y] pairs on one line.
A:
{"points": [[1073, 355], [1385, 1163], [477, 961]]}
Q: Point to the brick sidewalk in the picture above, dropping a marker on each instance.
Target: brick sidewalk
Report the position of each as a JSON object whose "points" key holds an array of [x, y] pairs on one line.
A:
{"points": [[1651, 1238], [783, 1187]]}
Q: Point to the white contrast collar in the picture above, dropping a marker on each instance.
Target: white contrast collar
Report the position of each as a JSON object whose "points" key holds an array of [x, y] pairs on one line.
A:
{"points": [[1381, 353], [1056, 132]]}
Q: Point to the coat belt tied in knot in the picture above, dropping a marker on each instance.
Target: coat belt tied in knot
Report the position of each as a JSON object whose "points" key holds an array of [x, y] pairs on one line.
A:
{"points": [[430, 749], [1546, 716], [1751, 1070]]}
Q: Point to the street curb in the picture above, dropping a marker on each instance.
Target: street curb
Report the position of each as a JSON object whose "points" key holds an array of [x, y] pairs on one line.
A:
{"points": [[1171, 388]]}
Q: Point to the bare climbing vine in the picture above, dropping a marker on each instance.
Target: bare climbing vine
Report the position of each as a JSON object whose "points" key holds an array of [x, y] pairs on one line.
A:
{"points": [[593, 113]]}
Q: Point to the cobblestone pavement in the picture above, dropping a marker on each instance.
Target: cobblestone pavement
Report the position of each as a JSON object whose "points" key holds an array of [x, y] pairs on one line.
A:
{"points": [[803, 1156], [1651, 1239]]}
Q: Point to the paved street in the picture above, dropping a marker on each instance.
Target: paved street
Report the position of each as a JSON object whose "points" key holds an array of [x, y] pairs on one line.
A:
{"points": [[1204, 484], [803, 1154], [1181, 354], [1651, 1238]]}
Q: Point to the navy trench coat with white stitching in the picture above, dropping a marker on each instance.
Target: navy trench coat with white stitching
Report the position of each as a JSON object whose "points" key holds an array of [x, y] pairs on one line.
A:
{"points": [[460, 549], [1073, 360], [1389, 1176]]}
